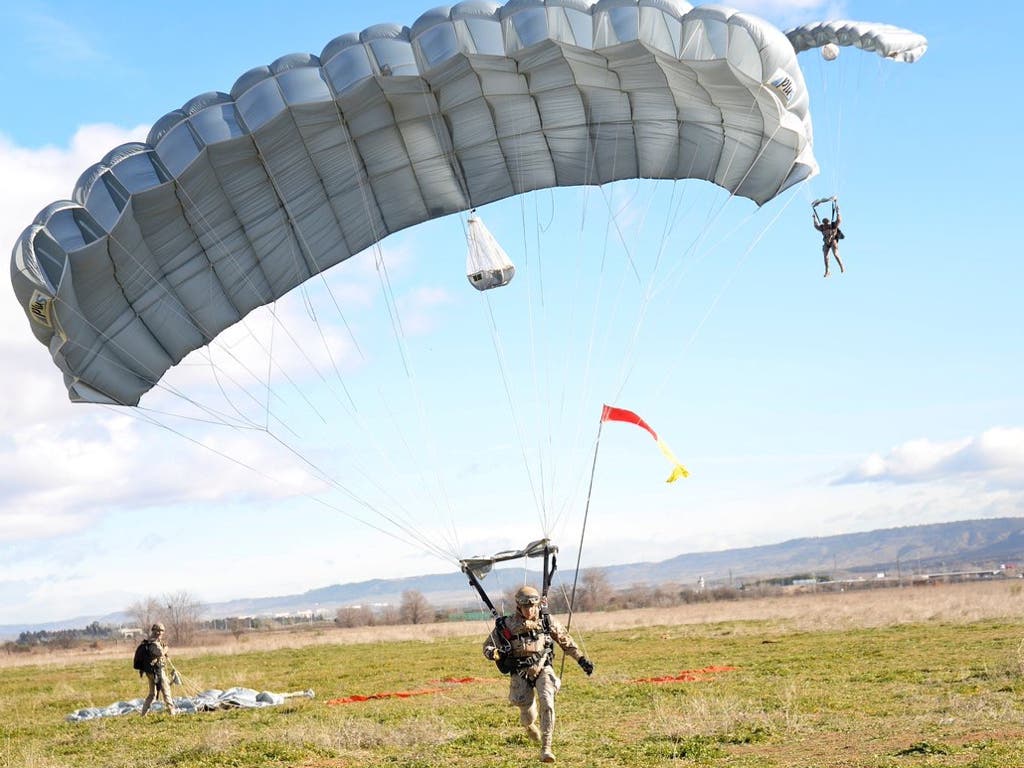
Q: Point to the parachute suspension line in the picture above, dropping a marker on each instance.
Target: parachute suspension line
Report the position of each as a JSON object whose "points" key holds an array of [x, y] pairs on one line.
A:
{"points": [[500, 354], [613, 221], [324, 476], [628, 359], [370, 207], [542, 383], [413, 540], [221, 418], [537, 488], [829, 126], [551, 219], [314, 269], [714, 302], [567, 334], [713, 216], [270, 358], [212, 422], [409, 530], [173, 306], [648, 285], [425, 426], [837, 171], [214, 370], [556, 405], [201, 217]]}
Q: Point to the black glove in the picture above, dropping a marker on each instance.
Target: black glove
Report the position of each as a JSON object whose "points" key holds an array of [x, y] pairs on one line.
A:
{"points": [[586, 665]]}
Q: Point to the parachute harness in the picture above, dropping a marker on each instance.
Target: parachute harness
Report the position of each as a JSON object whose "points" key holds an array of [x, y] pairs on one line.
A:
{"points": [[476, 569]]}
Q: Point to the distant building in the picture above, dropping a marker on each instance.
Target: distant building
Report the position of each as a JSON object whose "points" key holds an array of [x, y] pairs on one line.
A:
{"points": [[127, 633]]}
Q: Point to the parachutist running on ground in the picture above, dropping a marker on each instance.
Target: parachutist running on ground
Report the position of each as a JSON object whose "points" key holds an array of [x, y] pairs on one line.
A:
{"points": [[529, 637], [831, 234]]}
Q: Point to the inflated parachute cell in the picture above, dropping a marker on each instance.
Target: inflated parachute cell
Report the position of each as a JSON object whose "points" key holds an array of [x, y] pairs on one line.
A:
{"points": [[884, 39], [236, 198]]}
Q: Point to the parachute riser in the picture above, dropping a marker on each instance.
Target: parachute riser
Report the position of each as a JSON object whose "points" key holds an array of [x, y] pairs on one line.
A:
{"points": [[475, 584], [550, 567]]}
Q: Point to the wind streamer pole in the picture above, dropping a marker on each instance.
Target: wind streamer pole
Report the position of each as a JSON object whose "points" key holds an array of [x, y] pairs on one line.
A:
{"points": [[583, 532], [583, 529], [611, 413]]}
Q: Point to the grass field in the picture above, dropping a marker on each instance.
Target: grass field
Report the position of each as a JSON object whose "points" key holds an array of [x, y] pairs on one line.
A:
{"points": [[888, 679]]}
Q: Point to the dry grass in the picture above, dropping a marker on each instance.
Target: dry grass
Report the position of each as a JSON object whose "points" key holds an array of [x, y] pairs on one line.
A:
{"points": [[825, 611], [894, 678]]}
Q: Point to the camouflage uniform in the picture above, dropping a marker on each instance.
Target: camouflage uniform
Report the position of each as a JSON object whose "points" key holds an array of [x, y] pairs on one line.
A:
{"points": [[159, 682], [533, 651], [830, 236]]}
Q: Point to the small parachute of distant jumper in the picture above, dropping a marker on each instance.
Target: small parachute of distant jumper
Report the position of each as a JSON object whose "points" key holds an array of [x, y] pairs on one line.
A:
{"points": [[487, 264]]}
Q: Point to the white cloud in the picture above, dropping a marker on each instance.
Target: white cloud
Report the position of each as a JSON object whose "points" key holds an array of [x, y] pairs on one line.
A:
{"points": [[65, 466], [31, 388], [996, 457]]}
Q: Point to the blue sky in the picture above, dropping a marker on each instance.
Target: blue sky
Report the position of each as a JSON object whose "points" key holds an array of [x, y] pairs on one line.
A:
{"points": [[886, 396]]}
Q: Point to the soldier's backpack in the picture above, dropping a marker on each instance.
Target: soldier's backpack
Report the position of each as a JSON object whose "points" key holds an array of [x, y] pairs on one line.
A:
{"points": [[145, 654]]}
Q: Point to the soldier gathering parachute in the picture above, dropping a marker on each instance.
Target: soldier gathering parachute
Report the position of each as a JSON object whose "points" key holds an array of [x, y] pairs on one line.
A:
{"points": [[237, 198]]}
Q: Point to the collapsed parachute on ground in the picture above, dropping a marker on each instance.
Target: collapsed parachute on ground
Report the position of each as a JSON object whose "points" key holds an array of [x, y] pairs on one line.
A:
{"points": [[236, 198], [207, 701]]}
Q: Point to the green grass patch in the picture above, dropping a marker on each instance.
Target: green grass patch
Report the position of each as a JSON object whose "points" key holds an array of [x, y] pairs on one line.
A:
{"points": [[911, 696]]}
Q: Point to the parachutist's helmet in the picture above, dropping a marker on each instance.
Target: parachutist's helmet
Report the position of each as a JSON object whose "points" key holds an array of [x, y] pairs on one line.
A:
{"points": [[158, 627], [527, 596], [824, 221]]}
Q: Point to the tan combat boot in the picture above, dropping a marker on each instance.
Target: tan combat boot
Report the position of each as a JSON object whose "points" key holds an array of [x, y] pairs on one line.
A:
{"points": [[546, 755], [533, 732]]}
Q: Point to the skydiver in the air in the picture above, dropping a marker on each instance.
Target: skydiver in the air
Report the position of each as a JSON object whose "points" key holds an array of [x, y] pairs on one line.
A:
{"points": [[830, 233]]}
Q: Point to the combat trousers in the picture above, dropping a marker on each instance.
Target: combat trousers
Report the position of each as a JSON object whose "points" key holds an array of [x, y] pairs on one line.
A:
{"points": [[158, 686], [521, 694]]}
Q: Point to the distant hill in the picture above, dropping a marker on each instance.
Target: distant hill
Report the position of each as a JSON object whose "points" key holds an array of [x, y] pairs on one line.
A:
{"points": [[963, 545], [966, 545]]}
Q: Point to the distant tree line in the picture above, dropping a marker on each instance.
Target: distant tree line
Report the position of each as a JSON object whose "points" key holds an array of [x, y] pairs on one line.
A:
{"points": [[181, 612], [414, 608], [66, 638]]}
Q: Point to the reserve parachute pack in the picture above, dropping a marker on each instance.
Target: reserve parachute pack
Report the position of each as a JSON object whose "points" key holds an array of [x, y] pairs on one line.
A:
{"points": [[506, 662], [145, 654]]}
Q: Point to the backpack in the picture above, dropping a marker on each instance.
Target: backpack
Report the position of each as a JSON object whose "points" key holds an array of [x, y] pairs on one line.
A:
{"points": [[145, 654]]}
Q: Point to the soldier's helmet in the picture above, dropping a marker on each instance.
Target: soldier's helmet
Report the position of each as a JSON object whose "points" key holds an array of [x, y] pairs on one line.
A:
{"points": [[158, 627], [825, 222], [527, 596]]}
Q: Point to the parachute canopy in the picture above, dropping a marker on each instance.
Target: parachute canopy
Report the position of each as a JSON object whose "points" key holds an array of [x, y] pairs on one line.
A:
{"points": [[236, 198], [884, 39], [207, 701]]}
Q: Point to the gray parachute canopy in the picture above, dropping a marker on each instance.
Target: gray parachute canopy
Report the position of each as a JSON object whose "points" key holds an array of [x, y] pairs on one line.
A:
{"points": [[236, 198], [884, 39]]}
